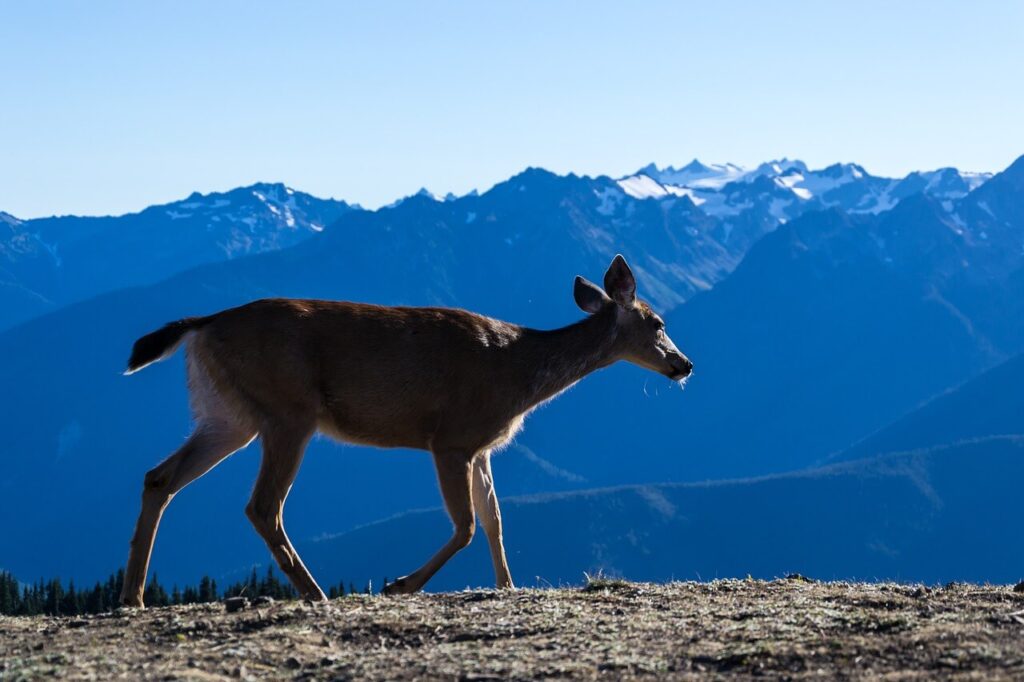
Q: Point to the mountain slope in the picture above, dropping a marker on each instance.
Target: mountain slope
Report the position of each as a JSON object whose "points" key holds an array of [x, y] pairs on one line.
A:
{"points": [[949, 513], [988, 405], [22, 254]]}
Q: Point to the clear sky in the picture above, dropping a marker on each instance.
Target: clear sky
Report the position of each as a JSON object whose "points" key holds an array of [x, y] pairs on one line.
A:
{"points": [[106, 107]]}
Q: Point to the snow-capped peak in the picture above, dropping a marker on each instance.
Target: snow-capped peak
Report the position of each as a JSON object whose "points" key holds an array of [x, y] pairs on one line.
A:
{"points": [[778, 167], [974, 180], [694, 174], [952, 182], [424, 192], [427, 194]]}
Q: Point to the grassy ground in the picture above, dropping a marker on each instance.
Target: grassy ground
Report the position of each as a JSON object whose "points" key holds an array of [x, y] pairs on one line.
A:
{"points": [[608, 629]]}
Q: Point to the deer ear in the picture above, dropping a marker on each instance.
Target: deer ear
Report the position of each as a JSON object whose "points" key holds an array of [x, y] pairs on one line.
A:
{"points": [[588, 295], [620, 283]]}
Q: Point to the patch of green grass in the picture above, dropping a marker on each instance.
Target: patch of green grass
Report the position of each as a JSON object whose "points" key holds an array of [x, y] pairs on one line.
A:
{"points": [[602, 583]]}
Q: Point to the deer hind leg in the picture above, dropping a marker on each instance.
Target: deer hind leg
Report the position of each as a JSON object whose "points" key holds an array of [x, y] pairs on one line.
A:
{"points": [[211, 442], [282, 454], [486, 503], [454, 473]]}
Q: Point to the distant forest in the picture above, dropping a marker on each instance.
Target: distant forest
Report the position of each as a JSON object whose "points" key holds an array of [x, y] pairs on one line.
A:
{"points": [[54, 598]]}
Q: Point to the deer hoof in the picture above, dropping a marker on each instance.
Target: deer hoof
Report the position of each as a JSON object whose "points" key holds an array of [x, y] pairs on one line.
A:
{"points": [[400, 586], [315, 597]]}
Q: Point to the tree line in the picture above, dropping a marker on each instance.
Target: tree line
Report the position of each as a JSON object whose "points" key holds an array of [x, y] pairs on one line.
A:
{"points": [[55, 598]]}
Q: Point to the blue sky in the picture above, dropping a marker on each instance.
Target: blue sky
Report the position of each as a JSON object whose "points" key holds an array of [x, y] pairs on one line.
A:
{"points": [[111, 106]]}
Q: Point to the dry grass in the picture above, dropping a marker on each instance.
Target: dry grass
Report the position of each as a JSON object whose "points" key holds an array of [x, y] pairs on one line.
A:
{"points": [[609, 629]]}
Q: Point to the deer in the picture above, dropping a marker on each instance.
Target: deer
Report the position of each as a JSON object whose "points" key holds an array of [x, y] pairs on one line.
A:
{"points": [[451, 382]]}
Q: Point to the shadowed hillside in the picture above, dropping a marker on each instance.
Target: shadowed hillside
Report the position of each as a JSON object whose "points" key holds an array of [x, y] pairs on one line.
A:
{"points": [[989, 405], [949, 513]]}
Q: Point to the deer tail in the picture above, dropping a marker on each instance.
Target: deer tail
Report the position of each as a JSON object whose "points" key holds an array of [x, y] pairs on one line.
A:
{"points": [[162, 343]]}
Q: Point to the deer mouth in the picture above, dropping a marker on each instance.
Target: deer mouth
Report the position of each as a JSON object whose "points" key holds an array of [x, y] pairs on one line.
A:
{"points": [[681, 373]]}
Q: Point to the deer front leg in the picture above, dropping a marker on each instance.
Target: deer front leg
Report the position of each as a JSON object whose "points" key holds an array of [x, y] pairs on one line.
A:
{"points": [[485, 500], [454, 474]]}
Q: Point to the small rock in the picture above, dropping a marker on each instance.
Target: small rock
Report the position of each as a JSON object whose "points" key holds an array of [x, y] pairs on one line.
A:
{"points": [[232, 604], [292, 662], [263, 601]]}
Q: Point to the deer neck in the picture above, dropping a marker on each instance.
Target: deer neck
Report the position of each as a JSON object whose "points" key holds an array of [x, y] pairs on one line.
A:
{"points": [[561, 357]]}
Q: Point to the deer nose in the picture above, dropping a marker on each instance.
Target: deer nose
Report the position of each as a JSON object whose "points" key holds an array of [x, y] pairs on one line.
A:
{"points": [[682, 367]]}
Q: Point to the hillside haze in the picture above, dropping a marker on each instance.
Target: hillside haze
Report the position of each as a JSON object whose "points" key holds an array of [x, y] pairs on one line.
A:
{"points": [[819, 306]]}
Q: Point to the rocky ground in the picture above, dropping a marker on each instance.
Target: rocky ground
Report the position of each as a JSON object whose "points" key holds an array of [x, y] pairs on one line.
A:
{"points": [[609, 629]]}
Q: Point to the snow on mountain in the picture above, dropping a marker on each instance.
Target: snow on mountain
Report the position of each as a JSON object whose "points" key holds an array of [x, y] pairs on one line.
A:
{"points": [[20, 249], [695, 175], [261, 208], [944, 183], [643, 187], [724, 190], [8, 219], [779, 167]]}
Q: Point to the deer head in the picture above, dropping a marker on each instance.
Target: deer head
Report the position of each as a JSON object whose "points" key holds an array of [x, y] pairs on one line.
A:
{"points": [[640, 332]]}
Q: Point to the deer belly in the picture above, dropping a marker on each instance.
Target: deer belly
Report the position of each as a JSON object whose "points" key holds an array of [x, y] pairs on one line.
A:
{"points": [[381, 426]]}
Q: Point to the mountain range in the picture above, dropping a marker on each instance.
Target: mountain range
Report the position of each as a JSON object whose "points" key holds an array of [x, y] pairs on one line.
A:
{"points": [[49, 262], [818, 311]]}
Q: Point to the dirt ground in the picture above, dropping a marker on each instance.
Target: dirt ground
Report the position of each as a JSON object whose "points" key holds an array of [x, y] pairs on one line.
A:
{"points": [[610, 629]]}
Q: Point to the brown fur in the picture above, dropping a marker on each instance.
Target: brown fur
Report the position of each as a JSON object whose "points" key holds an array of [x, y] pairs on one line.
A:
{"points": [[447, 381]]}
